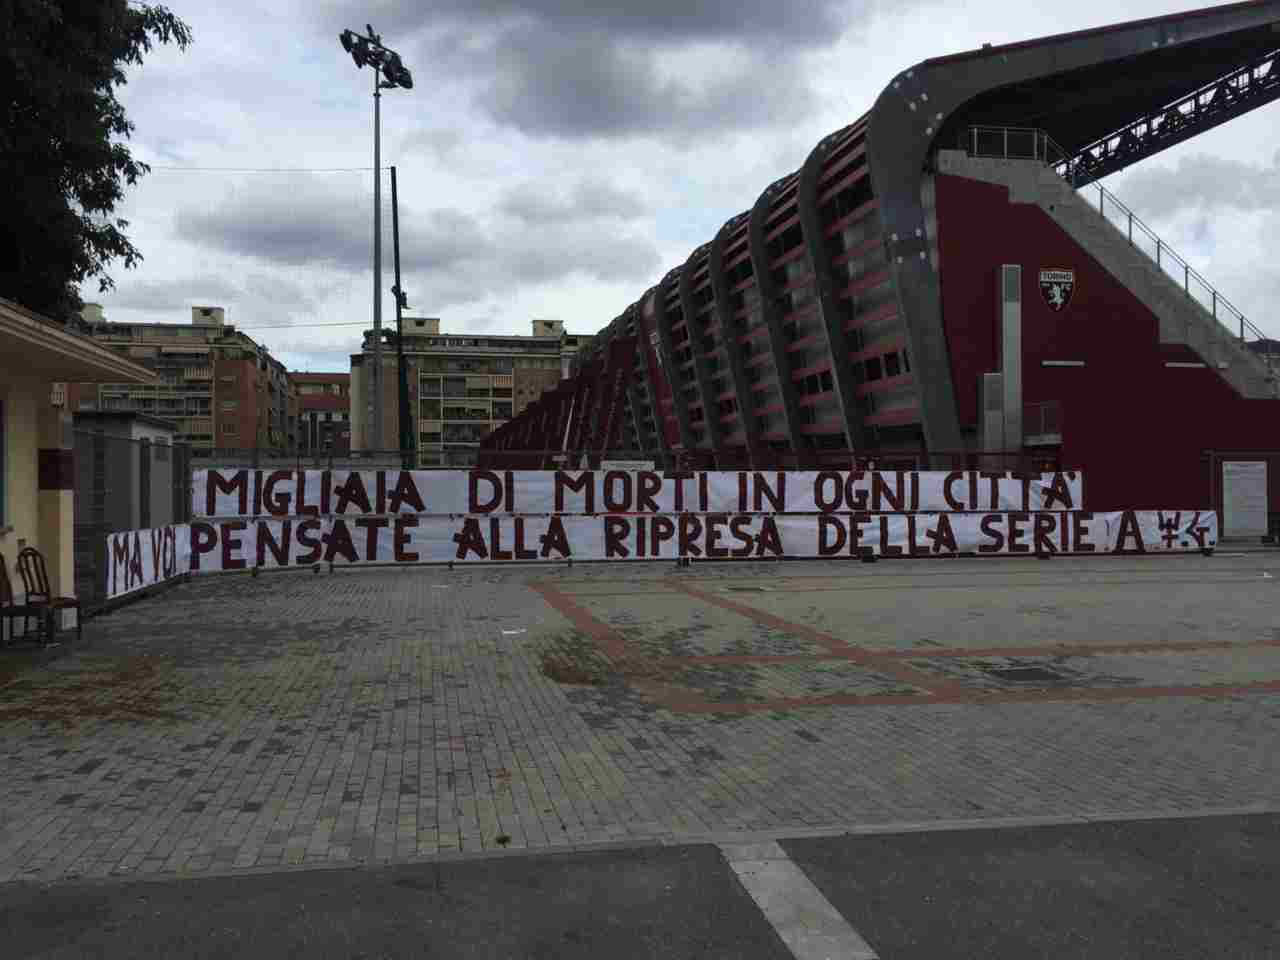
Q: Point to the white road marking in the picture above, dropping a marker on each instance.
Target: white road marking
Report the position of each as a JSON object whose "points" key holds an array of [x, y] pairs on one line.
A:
{"points": [[806, 921]]}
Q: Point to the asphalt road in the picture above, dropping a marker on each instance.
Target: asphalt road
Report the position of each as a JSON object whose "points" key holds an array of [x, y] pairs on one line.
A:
{"points": [[656, 902], [1174, 888], [1168, 889]]}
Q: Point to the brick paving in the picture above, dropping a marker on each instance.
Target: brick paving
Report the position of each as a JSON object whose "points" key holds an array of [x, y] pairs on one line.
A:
{"points": [[236, 722]]}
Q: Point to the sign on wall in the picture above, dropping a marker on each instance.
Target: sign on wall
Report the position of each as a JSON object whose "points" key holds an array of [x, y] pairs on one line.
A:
{"points": [[318, 493], [1057, 286], [1244, 498]]}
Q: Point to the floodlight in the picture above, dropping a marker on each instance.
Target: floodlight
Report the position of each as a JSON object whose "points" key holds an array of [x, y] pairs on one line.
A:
{"points": [[395, 71]]}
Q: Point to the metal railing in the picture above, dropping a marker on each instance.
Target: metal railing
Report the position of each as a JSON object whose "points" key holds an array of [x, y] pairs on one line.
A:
{"points": [[1196, 287], [737, 458], [1013, 143], [1027, 143], [732, 458], [275, 459]]}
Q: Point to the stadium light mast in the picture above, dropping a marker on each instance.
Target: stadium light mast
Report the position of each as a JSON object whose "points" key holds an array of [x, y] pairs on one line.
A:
{"points": [[388, 72]]}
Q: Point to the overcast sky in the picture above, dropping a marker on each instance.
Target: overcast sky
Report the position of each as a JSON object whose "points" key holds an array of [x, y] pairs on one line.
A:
{"points": [[555, 163]]}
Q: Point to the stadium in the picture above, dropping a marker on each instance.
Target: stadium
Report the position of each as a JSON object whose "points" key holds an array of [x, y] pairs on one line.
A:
{"points": [[944, 284]]}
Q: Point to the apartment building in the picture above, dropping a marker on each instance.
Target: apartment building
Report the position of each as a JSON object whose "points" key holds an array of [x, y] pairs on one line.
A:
{"points": [[220, 388], [324, 411], [460, 387]]}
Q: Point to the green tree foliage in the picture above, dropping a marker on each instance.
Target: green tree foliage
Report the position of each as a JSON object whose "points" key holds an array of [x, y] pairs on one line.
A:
{"points": [[62, 165]]}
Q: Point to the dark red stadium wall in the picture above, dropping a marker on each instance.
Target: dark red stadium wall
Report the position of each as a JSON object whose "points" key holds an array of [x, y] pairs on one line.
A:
{"points": [[1136, 427]]}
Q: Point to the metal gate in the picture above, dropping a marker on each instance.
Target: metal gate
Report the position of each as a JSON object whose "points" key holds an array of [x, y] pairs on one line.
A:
{"points": [[121, 484]]}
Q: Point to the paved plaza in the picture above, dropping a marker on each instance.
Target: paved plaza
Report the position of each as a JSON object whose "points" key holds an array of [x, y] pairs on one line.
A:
{"points": [[239, 723]]}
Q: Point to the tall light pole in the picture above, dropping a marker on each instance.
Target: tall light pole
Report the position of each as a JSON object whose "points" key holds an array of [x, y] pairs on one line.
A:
{"points": [[388, 72], [402, 370]]}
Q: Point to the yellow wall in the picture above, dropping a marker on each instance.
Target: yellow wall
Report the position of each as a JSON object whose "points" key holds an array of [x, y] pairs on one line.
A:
{"points": [[21, 438]]}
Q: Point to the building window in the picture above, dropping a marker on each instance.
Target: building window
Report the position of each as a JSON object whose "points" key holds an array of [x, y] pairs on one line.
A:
{"points": [[229, 404], [230, 428]]}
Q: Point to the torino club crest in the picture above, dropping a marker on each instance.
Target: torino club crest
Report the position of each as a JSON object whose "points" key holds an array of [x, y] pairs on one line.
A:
{"points": [[1056, 286]]}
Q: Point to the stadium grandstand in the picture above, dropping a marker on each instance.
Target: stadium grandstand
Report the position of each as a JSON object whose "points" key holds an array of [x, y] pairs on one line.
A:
{"points": [[944, 283]]}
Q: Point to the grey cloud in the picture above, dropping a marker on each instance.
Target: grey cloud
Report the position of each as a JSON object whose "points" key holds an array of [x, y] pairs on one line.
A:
{"points": [[1201, 181], [441, 143], [545, 83], [537, 257], [172, 295], [262, 296], [662, 22], [543, 203], [448, 257], [607, 258], [562, 68], [307, 224]]}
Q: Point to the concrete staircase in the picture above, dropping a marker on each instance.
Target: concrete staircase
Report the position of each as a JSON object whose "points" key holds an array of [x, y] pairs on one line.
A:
{"points": [[1183, 319]]}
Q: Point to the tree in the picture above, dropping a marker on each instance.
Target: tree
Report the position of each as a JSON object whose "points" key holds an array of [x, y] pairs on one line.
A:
{"points": [[62, 172]]}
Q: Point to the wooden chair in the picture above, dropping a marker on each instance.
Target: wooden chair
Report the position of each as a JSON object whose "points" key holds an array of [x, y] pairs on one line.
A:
{"points": [[35, 580], [10, 609]]}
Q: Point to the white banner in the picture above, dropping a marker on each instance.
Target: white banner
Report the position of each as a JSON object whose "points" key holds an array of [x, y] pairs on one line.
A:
{"points": [[349, 493], [240, 543], [143, 558]]}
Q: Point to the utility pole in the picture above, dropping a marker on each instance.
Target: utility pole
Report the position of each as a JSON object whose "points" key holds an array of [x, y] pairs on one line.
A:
{"points": [[377, 259], [407, 445]]}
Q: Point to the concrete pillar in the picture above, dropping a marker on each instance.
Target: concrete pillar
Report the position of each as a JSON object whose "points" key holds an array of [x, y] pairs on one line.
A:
{"points": [[55, 499], [1011, 353]]}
